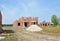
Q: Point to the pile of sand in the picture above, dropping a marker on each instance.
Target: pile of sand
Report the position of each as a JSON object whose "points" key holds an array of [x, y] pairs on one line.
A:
{"points": [[34, 28]]}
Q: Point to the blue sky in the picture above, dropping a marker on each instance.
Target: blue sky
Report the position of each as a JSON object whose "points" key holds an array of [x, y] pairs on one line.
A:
{"points": [[14, 9]]}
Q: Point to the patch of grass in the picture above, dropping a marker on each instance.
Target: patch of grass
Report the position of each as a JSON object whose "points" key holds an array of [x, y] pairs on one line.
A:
{"points": [[51, 30], [12, 36]]}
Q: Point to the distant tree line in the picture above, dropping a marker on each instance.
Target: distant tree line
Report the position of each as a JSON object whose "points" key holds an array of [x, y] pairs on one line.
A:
{"points": [[7, 25]]}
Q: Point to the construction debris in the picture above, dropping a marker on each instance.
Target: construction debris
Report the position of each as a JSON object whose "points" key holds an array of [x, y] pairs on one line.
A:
{"points": [[2, 37], [3, 34]]}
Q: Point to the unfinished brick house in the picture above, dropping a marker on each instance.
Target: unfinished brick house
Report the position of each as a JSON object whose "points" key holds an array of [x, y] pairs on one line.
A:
{"points": [[0, 22], [25, 22], [44, 23]]}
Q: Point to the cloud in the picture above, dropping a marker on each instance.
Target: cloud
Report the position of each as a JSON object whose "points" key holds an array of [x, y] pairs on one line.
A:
{"points": [[23, 8], [8, 14], [30, 8]]}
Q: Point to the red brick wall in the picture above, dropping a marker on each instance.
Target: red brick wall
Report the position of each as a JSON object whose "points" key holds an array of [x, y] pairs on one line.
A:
{"points": [[24, 19], [44, 24]]}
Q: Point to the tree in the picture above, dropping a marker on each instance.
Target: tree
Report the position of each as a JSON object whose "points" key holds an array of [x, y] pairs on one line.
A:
{"points": [[54, 20], [58, 20]]}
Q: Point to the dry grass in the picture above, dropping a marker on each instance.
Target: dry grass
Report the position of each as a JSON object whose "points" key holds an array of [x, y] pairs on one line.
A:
{"points": [[46, 30], [12, 36], [51, 30]]}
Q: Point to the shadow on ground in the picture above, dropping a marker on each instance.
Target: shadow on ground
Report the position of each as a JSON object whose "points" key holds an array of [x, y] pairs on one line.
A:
{"points": [[8, 31]]}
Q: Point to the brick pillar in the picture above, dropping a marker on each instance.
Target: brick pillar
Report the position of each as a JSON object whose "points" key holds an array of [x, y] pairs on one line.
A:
{"points": [[0, 23], [36, 19]]}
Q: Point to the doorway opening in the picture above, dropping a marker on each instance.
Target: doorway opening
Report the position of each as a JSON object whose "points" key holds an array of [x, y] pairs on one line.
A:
{"points": [[26, 24]]}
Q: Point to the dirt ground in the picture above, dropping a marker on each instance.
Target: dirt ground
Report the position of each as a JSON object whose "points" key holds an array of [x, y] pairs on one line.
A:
{"points": [[23, 35], [31, 36]]}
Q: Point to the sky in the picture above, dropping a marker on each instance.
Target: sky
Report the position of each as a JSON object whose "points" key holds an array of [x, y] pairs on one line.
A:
{"points": [[14, 9]]}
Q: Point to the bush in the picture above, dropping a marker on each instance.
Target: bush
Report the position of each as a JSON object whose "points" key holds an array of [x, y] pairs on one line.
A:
{"points": [[54, 20]]}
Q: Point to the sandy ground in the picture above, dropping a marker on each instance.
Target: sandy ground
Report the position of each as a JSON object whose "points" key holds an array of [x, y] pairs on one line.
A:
{"points": [[30, 36]]}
